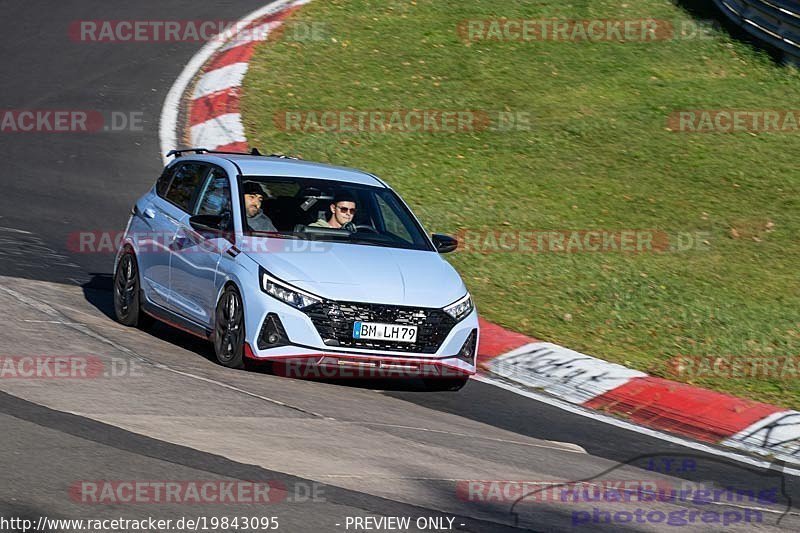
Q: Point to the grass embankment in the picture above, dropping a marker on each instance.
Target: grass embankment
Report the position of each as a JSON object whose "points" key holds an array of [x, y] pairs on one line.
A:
{"points": [[599, 155]]}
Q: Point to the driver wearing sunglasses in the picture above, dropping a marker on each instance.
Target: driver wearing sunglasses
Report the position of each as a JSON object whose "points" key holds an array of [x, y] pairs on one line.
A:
{"points": [[343, 210]]}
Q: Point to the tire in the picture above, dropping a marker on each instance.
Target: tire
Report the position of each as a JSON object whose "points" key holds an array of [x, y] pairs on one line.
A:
{"points": [[128, 294], [229, 329], [444, 384]]}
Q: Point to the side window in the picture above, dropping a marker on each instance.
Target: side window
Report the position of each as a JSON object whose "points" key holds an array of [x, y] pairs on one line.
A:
{"points": [[216, 197], [163, 181], [393, 223], [186, 184]]}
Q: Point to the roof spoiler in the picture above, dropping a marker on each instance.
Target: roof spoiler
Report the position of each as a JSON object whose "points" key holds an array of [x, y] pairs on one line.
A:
{"points": [[254, 151]]}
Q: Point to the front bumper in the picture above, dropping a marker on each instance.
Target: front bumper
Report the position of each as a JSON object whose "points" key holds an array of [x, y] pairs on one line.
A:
{"points": [[305, 348]]}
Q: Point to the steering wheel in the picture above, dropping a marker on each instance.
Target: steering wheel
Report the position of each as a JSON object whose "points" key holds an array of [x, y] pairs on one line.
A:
{"points": [[365, 227]]}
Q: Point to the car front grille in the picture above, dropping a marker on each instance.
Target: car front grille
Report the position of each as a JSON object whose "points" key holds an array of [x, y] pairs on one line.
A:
{"points": [[334, 322]]}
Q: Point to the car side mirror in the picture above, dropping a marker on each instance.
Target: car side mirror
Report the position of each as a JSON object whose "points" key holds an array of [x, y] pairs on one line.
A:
{"points": [[211, 226], [444, 243], [206, 222]]}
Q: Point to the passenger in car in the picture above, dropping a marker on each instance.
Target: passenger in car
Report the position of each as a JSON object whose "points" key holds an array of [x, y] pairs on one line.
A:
{"points": [[343, 210], [253, 198]]}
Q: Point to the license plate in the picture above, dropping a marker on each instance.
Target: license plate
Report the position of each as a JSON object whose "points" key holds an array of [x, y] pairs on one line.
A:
{"points": [[384, 332]]}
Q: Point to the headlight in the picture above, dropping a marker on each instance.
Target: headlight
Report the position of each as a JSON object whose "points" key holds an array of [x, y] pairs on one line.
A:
{"points": [[460, 308], [285, 292]]}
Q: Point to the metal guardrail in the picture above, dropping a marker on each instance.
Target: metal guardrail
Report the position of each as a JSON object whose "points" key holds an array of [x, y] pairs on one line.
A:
{"points": [[775, 22]]}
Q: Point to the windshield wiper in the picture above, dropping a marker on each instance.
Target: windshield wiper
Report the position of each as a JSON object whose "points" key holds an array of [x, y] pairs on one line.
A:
{"points": [[274, 234]]}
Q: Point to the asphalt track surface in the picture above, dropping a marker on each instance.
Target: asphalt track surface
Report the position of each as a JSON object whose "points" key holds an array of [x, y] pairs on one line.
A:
{"points": [[54, 185]]}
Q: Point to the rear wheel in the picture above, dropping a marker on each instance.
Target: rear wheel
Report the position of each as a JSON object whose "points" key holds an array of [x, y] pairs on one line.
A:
{"points": [[229, 329], [127, 293]]}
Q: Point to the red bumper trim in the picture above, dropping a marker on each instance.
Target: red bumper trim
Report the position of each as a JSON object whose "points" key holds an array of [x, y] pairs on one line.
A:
{"points": [[385, 366]]}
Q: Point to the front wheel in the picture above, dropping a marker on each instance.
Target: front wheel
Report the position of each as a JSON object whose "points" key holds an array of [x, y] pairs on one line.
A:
{"points": [[127, 293], [229, 329]]}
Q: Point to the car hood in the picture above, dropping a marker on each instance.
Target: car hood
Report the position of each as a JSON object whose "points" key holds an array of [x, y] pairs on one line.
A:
{"points": [[362, 273]]}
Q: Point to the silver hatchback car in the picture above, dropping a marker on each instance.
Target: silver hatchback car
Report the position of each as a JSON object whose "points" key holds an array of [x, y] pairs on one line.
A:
{"points": [[313, 266]]}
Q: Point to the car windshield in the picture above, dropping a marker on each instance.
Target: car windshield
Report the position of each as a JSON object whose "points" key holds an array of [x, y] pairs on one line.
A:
{"points": [[328, 210]]}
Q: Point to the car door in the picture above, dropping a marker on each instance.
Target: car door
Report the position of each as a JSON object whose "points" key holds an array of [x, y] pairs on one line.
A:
{"points": [[196, 254], [153, 232], [168, 210]]}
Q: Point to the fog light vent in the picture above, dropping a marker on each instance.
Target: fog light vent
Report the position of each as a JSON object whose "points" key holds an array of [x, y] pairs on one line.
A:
{"points": [[272, 333], [467, 352]]}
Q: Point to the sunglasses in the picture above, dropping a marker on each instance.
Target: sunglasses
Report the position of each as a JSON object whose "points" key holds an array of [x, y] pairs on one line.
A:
{"points": [[351, 210]]}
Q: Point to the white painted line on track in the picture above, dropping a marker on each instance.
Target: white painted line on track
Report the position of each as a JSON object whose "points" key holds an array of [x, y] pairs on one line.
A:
{"points": [[15, 230], [623, 424], [86, 330], [554, 445]]}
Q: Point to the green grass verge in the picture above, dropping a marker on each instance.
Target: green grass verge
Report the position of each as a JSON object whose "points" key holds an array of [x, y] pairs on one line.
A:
{"points": [[599, 156]]}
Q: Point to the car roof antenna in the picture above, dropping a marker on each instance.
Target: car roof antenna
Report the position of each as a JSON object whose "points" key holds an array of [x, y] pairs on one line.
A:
{"points": [[255, 151]]}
